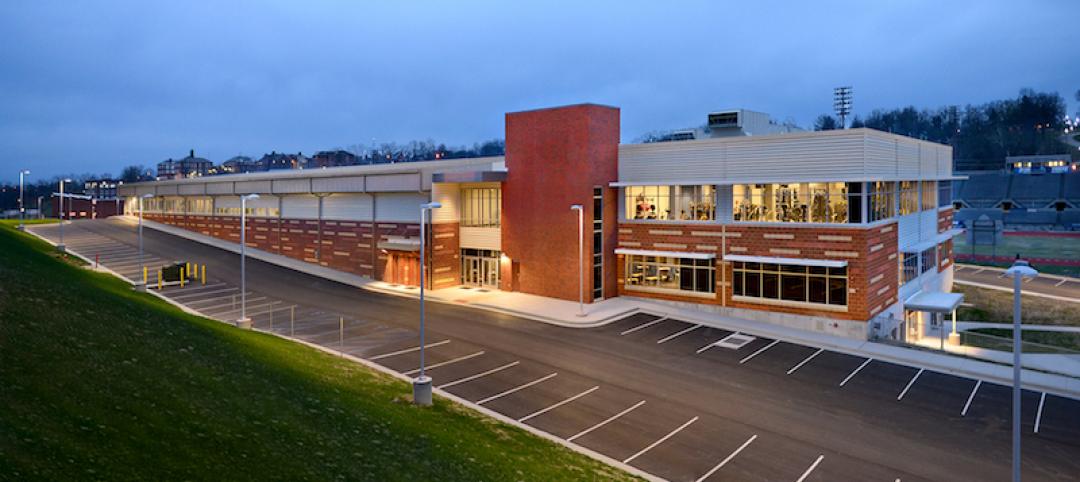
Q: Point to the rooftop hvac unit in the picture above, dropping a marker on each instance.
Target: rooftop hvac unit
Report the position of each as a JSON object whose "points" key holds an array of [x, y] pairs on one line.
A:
{"points": [[724, 119]]}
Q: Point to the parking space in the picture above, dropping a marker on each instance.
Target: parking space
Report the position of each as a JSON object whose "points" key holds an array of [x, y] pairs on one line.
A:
{"points": [[940, 393]]}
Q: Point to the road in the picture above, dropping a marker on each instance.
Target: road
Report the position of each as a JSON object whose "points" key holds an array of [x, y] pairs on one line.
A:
{"points": [[1060, 288], [680, 401]]}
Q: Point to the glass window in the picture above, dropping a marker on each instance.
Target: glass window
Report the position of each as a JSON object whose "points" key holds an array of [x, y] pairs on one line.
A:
{"points": [[480, 207], [929, 257], [667, 273], [814, 202], [909, 197], [797, 283], [670, 203], [928, 191], [909, 267], [882, 201], [944, 193]]}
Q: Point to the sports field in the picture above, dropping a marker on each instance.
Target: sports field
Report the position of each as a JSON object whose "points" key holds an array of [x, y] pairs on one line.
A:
{"points": [[1050, 254]]}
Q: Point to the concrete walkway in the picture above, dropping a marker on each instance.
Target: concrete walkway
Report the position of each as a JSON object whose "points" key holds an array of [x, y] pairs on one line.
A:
{"points": [[563, 313]]}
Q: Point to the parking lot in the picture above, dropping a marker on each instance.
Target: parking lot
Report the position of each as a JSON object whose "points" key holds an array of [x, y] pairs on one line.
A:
{"points": [[737, 432]]}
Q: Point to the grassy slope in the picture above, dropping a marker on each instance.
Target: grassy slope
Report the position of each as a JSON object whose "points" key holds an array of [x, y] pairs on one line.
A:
{"points": [[996, 307], [1028, 246], [99, 382]]}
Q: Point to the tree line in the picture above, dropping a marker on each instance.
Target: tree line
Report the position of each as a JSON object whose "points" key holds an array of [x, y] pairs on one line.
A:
{"points": [[981, 135]]}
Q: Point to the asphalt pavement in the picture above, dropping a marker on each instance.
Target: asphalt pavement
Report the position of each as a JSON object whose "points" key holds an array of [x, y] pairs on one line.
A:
{"points": [[675, 399]]}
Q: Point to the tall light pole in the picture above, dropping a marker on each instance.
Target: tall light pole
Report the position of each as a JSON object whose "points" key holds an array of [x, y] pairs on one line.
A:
{"points": [[60, 247], [1018, 271], [422, 383], [842, 104], [22, 208], [581, 255], [142, 264], [244, 322]]}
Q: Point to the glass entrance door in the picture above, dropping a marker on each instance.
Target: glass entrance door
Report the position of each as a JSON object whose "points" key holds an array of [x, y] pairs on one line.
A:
{"points": [[480, 267]]}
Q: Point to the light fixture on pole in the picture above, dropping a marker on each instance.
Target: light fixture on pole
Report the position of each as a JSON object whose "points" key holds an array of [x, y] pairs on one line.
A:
{"points": [[244, 322], [422, 383], [581, 254], [22, 208], [60, 207], [842, 104], [141, 285], [1018, 271]]}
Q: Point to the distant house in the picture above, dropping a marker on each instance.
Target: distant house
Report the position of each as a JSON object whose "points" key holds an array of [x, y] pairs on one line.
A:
{"points": [[280, 160], [236, 165], [332, 158], [189, 166], [101, 188]]}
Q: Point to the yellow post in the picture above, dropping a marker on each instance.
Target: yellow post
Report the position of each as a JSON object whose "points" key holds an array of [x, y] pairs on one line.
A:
{"points": [[159, 280], [188, 268], [181, 277], [144, 277], [194, 274], [204, 274]]}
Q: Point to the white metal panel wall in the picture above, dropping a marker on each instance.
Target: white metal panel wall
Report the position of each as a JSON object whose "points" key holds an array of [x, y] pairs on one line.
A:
{"points": [[167, 190], [393, 182], [143, 190], [352, 207], [907, 159], [880, 155], [267, 202], [945, 160], [928, 224], [248, 187], [481, 238], [928, 161], [907, 230], [401, 207], [125, 191], [219, 188], [338, 184], [449, 195], [291, 186], [300, 206], [192, 189]]}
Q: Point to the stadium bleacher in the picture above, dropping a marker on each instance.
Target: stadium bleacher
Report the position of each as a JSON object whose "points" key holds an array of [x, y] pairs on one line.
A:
{"points": [[1035, 201]]}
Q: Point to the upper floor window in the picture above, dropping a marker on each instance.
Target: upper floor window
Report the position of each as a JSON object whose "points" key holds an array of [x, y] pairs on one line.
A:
{"points": [[909, 197], [882, 200], [929, 195], [944, 193], [480, 207], [671, 203], [813, 202]]}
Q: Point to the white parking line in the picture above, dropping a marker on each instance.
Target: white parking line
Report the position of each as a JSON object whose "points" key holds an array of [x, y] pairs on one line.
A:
{"points": [[754, 354], [811, 469], [1059, 283], [605, 422], [662, 439], [978, 383], [683, 332], [727, 459], [213, 289], [226, 305], [796, 367], [643, 325], [1038, 415], [557, 405], [515, 389], [214, 299], [855, 371], [478, 375], [407, 350], [447, 362], [909, 384]]}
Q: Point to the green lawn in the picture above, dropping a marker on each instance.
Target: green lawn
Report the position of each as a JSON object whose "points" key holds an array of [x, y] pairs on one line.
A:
{"points": [[996, 307], [98, 382], [1034, 341], [1028, 247]]}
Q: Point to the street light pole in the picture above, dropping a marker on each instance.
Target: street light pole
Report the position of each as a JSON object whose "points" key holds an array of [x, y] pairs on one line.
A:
{"points": [[244, 322], [1019, 270], [422, 383], [60, 247], [580, 258], [142, 264], [22, 207]]}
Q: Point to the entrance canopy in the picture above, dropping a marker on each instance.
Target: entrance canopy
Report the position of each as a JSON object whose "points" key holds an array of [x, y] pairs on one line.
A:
{"points": [[934, 302], [665, 254], [400, 244]]}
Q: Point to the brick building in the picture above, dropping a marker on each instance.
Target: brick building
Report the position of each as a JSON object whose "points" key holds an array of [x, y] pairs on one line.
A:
{"points": [[831, 231]]}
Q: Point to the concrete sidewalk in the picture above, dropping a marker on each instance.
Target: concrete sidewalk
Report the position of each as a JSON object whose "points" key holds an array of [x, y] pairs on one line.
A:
{"points": [[563, 313]]}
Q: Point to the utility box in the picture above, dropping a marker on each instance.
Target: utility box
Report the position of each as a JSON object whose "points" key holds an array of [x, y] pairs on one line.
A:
{"points": [[171, 273]]}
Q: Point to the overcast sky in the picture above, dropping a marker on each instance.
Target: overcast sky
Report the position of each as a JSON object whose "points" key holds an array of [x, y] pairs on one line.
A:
{"points": [[95, 86]]}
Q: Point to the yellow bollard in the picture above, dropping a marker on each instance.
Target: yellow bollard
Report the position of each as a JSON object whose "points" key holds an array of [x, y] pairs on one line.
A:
{"points": [[159, 280], [204, 274], [194, 274], [181, 277], [144, 277], [188, 268]]}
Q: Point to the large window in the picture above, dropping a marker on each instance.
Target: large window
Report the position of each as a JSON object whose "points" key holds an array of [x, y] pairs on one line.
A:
{"points": [[929, 198], [944, 193], [480, 207], [598, 242], [909, 197], [671, 203], [882, 201], [808, 202], [909, 268], [928, 259], [670, 274], [795, 283]]}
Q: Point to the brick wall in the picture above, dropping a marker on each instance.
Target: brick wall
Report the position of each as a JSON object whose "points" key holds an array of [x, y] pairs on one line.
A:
{"points": [[870, 253], [446, 255], [349, 246], [945, 250]]}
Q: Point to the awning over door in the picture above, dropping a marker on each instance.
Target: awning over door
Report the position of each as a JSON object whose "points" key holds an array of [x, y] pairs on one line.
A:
{"points": [[666, 254], [934, 302]]}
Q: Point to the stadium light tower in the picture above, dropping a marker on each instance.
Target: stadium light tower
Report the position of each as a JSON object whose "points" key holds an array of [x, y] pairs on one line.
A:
{"points": [[842, 104], [22, 210]]}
